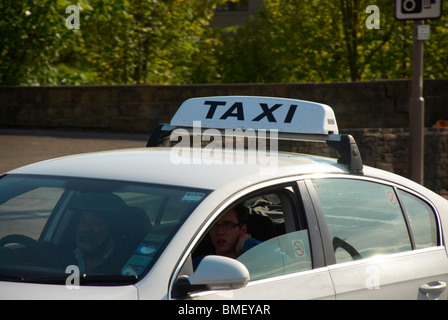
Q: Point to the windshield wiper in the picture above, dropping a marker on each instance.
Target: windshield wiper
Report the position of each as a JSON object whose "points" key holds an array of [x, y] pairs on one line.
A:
{"points": [[106, 279], [92, 280], [9, 277]]}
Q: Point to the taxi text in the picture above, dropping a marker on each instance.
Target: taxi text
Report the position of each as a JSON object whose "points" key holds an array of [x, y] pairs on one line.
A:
{"points": [[237, 111]]}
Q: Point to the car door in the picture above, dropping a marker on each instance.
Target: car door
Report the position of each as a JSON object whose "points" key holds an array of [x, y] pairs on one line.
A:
{"points": [[288, 263], [385, 241]]}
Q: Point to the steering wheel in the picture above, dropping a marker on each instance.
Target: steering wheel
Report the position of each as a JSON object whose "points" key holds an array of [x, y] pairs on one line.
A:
{"points": [[40, 253], [20, 239], [339, 243]]}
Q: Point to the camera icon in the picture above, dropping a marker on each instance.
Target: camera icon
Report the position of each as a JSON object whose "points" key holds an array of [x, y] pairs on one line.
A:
{"points": [[415, 6]]}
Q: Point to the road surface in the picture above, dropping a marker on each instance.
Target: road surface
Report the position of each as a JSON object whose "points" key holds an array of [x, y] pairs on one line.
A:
{"points": [[22, 147]]}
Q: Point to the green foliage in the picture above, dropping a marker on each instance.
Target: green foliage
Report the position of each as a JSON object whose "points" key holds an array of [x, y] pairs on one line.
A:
{"points": [[144, 41], [118, 42], [327, 40], [32, 39], [170, 41]]}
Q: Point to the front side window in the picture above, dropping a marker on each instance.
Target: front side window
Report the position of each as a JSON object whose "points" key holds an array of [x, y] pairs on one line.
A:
{"points": [[263, 232], [105, 229], [364, 218]]}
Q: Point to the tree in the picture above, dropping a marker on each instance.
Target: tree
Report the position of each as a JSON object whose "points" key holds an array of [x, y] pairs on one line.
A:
{"points": [[170, 41], [144, 41], [32, 39], [118, 42], [326, 40]]}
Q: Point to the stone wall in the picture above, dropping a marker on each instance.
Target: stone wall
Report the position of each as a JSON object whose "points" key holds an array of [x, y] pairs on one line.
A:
{"points": [[376, 113], [382, 104]]}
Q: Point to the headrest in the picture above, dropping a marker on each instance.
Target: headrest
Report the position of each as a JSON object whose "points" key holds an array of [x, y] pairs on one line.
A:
{"points": [[108, 206], [97, 202]]}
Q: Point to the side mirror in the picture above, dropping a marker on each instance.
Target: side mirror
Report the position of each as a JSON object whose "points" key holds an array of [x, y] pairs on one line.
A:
{"points": [[213, 273]]}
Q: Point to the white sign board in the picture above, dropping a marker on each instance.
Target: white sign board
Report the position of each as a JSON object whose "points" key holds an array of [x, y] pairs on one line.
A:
{"points": [[418, 9], [423, 32]]}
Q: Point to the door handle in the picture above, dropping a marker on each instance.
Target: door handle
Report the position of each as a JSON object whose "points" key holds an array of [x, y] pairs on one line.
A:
{"points": [[434, 287]]}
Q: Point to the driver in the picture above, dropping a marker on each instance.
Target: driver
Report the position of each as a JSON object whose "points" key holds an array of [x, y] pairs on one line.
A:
{"points": [[98, 231]]}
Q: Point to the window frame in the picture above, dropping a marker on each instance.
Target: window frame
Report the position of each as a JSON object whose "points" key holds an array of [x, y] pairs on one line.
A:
{"points": [[293, 215], [301, 205], [330, 256]]}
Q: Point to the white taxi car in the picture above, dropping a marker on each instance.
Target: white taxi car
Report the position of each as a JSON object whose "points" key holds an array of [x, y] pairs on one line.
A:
{"points": [[135, 224]]}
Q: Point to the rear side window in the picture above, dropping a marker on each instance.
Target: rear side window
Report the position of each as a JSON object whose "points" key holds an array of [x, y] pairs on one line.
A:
{"points": [[364, 218], [422, 220]]}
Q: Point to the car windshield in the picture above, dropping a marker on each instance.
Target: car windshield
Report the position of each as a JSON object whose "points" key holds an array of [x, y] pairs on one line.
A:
{"points": [[103, 231]]}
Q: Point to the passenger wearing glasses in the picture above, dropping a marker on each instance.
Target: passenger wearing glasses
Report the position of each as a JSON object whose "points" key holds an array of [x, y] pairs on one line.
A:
{"points": [[229, 234]]}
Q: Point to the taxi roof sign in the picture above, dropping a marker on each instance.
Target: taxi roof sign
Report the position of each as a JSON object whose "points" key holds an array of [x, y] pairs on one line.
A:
{"points": [[293, 119], [250, 112]]}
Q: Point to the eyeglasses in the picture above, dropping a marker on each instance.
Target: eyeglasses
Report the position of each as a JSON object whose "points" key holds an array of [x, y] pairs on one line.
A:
{"points": [[225, 225]]}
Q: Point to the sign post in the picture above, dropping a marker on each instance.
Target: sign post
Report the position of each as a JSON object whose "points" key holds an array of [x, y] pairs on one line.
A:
{"points": [[417, 10], [417, 109]]}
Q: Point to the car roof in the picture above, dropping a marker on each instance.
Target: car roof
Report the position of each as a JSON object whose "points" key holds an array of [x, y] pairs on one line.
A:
{"points": [[156, 165]]}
